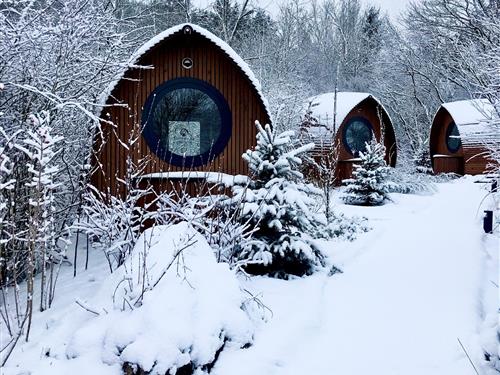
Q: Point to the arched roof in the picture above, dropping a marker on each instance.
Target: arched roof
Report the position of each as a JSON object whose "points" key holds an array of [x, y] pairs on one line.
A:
{"points": [[322, 108], [136, 56], [473, 119]]}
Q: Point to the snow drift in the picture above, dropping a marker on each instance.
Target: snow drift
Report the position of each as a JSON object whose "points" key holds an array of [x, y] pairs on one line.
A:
{"points": [[170, 306]]}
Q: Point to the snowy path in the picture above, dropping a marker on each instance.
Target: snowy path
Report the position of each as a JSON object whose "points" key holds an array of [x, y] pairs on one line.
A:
{"points": [[409, 290]]}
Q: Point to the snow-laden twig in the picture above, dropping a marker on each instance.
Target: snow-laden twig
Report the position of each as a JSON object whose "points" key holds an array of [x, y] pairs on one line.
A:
{"points": [[84, 306], [468, 357]]}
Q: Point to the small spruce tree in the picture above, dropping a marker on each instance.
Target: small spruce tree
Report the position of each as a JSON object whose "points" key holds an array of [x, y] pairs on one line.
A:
{"points": [[277, 202], [422, 158], [369, 185]]}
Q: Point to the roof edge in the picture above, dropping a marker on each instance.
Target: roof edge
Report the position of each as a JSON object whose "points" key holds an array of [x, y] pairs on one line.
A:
{"points": [[228, 50], [362, 97]]}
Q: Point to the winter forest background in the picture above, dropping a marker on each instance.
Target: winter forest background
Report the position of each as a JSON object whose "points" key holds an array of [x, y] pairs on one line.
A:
{"points": [[58, 57]]}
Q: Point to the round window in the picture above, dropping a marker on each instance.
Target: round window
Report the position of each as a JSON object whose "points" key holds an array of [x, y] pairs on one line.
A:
{"points": [[453, 141], [357, 132], [186, 122]]}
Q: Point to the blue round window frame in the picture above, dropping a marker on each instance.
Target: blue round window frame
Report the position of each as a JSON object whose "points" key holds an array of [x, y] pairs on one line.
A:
{"points": [[346, 127], [449, 130], [152, 139]]}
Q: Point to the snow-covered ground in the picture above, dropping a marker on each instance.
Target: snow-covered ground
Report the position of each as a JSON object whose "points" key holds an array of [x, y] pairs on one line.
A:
{"points": [[422, 279], [410, 289]]}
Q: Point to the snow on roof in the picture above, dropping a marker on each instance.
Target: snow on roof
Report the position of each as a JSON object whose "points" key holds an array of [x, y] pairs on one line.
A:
{"points": [[322, 108], [473, 119], [466, 112], [132, 63]]}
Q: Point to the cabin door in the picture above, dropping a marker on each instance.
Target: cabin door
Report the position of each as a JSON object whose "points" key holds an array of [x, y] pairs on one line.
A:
{"points": [[448, 164]]}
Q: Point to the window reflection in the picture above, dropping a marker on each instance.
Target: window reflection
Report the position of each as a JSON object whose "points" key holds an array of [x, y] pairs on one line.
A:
{"points": [[186, 122], [453, 141], [357, 133]]}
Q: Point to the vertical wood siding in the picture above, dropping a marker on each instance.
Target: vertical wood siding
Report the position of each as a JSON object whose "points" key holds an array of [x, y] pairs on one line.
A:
{"points": [[212, 65], [469, 159], [370, 110]]}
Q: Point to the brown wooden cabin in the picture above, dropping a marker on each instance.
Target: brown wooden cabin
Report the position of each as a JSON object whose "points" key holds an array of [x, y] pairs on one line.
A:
{"points": [[460, 137], [347, 120], [191, 102]]}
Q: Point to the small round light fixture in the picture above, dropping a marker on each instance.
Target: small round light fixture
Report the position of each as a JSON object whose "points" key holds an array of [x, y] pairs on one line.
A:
{"points": [[187, 30], [187, 63]]}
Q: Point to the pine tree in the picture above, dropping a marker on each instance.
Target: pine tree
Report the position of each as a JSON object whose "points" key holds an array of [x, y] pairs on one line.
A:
{"points": [[279, 204], [422, 158], [369, 185]]}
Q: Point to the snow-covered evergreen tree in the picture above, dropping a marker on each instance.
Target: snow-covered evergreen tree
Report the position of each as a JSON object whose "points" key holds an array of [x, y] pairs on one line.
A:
{"points": [[422, 158], [369, 185], [278, 202]]}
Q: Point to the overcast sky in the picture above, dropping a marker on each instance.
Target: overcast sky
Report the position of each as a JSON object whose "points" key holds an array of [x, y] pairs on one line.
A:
{"points": [[392, 7]]}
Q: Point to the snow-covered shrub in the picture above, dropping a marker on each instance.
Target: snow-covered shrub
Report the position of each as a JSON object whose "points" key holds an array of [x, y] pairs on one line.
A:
{"points": [[115, 220], [369, 185], [175, 207], [279, 204], [29, 237], [113, 223], [41, 148], [323, 170], [405, 182], [7, 183], [215, 220], [50, 61], [170, 306], [342, 227], [228, 236]]}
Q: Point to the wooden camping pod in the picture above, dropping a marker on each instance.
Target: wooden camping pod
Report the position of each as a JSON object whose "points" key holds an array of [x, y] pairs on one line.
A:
{"points": [[460, 137], [181, 58], [339, 119]]}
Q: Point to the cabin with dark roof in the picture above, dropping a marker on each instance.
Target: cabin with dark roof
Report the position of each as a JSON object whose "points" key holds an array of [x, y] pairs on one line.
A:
{"points": [[345, 121], [461, 135], [190, 101]]}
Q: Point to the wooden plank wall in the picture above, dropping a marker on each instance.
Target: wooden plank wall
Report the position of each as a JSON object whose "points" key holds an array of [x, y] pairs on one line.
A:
{"points": [[453, 162], [212, 65], [475, 159], [448, 164], [368, 109], [472, 156]]}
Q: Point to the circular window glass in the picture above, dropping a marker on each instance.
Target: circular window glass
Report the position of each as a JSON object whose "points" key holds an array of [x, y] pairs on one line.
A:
{"points": [[186, 122], [453, 141], [357, 132]]}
